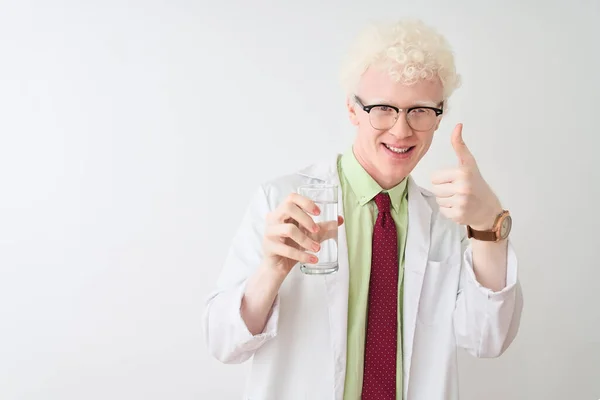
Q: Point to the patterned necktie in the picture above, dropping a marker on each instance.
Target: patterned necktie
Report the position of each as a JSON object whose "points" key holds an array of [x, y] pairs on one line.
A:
{"points": [[379, 378]]}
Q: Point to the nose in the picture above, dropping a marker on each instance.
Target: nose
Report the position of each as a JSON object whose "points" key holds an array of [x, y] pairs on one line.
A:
{"points": [[401, 129]]}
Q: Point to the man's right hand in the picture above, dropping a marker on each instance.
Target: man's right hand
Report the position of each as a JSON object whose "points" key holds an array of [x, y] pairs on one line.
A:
{"points": [[290, 231]]}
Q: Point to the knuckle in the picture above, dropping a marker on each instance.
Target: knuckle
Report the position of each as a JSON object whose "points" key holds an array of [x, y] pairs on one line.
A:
{"points": [[285, 251], [291, 198], [290, 229], [286, 207], [267, 233], [271, 216]]}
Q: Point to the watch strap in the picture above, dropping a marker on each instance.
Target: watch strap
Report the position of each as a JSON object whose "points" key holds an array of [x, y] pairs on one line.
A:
{"points": [[492, 235], [486, 236]]}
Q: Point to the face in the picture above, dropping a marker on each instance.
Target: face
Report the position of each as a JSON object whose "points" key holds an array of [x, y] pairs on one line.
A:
{"points": [[383, 153]]}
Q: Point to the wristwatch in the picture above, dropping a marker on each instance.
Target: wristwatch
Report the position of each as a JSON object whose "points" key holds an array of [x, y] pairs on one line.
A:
{"points": [[501, 229]]}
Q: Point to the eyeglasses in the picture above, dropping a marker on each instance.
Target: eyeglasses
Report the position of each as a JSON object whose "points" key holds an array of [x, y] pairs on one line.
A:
{"points": [[384, 116]]}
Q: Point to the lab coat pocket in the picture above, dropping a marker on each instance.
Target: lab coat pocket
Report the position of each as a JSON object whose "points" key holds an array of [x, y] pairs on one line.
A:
{"points": [[438, 295]]}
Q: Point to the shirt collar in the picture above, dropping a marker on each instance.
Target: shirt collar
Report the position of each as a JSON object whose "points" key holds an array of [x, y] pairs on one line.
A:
{"points": [[364, 186]]}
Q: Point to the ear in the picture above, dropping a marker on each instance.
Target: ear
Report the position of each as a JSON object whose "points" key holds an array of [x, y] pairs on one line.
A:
{"points": [[351, 111], [439, 121]]}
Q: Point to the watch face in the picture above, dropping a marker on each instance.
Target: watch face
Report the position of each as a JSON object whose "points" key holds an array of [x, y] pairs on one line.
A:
{"points": [[505, 227]]}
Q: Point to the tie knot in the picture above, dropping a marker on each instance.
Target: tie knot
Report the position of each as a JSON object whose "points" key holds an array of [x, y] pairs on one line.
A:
{"points": [[383, 202]]}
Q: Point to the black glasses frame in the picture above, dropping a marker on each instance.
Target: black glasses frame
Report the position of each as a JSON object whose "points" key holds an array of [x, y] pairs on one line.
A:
{"points": [[367, 109]]}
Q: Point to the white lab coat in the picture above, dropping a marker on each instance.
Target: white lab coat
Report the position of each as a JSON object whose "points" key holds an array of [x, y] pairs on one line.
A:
{"points": [[301, 353]]}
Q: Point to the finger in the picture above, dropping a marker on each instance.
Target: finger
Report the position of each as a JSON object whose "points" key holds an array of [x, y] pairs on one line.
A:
{"points": [[450, 213], [460, 148], [292, 211], [292, 232], [283, 250], [445, 202], [444, 190], [459, 201], [327, 230], [304, 203], [445, 176]]}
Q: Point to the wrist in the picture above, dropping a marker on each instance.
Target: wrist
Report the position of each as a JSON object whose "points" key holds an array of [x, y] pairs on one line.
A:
{"points": [[272, 275], [488, 225], [262, 287], [258, 299]]}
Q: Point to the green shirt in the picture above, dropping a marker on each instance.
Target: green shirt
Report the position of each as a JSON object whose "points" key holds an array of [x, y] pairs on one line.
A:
{"points": [[360, 213]]}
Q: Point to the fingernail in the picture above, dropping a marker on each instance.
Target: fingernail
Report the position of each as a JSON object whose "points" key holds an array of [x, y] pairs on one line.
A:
{"points": [[316, 246], [316, 210], [316, 228], [313, 259]]}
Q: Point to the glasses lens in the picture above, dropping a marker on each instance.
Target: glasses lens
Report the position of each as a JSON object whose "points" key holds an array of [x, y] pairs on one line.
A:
{"points": [[421, 119], [383, 117]]}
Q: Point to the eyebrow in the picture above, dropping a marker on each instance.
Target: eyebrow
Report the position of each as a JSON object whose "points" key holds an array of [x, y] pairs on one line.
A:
{"points": [[418, 103], [427, 103]]}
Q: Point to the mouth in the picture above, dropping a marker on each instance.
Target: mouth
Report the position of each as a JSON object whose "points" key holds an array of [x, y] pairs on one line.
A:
{"points": [[399, 151]]}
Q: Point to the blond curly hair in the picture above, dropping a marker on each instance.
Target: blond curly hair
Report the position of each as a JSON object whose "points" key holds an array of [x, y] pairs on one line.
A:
{"points": [[408, 49]]}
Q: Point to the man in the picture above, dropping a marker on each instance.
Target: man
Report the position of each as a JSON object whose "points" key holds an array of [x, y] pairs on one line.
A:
{"points": [[449, 280]]}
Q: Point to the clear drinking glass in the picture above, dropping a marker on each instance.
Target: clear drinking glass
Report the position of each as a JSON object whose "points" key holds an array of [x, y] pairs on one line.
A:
{"points": [[326, 198]]}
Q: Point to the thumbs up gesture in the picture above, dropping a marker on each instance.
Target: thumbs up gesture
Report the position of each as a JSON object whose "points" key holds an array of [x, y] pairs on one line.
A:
{"points": [[462, 193]]}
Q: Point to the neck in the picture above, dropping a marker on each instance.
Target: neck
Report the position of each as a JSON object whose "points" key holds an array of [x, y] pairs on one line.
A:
{"points": [[386, 183]]}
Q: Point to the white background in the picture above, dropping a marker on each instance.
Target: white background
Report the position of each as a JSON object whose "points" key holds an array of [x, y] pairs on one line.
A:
{"points": [[132, 134]]}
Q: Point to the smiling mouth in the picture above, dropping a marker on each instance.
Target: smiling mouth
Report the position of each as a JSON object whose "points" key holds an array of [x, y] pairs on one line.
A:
{"points": [[398, 150]]}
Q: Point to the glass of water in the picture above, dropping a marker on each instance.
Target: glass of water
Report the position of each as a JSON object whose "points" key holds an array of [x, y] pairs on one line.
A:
{"points": [[326, 198]]}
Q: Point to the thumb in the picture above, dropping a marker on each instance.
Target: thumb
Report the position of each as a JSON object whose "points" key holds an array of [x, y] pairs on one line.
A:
{"points": [[460, 148]]}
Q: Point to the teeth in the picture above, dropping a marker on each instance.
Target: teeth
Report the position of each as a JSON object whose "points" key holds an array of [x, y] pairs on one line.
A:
{"points": [[397, 149]]}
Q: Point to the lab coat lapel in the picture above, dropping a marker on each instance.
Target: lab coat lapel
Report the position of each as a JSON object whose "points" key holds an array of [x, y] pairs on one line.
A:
{"points": [[337, 283], [337, 291], [416, 255]]}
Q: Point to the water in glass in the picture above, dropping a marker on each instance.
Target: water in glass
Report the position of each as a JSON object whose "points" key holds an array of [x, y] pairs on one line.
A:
{"points": [[325, 197]]}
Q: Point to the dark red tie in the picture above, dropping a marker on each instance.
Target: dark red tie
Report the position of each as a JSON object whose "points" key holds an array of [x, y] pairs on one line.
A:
{"points": [[379, 379]]}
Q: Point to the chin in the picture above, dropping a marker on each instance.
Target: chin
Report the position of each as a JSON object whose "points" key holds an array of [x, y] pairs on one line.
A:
{"points": [[393, 173]]}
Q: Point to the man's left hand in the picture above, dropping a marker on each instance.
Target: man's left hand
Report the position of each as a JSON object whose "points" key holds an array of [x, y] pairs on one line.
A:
{"points": [[462, 193]]}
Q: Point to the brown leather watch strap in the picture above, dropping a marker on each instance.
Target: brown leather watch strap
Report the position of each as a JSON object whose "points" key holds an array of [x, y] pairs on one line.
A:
{"points": [[486, 236]]}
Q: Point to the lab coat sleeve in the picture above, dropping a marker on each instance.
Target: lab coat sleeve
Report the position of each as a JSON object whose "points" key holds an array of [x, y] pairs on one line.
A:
{"points": [[486, 322], [225, 332]]}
